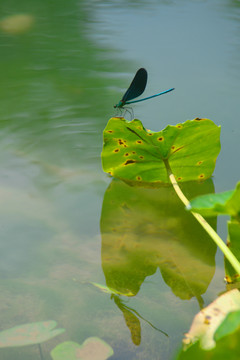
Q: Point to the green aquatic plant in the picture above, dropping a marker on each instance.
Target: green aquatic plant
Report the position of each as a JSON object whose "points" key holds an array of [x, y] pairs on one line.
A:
{"points": [[174, 156], [177, 154], [225, 203], [132, 153]]}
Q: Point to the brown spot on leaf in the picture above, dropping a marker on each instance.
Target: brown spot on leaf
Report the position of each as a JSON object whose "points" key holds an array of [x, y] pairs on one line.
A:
{"points": [[141, 157], [207, 320], [109, 131], [120, 141], [139, 141], [216, 311], [201, 176], [179, 126], [116, 150], [180, 148], [199, 163], [133, 152], [126, 154], [139, 178], [179, 178], [161, 138], [129, 161]]}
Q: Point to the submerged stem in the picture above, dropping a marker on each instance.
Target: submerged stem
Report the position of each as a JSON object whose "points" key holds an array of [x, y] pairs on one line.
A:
{"points": [[216, 238], [40, 351]]}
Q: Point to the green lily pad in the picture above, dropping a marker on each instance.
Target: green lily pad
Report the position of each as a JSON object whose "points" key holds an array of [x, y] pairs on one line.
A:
{"points": [[93, 348], [132, 153], [28, 334], [225, 203]]}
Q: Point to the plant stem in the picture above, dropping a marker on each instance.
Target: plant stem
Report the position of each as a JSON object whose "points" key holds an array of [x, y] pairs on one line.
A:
{"points": [[216, 238], [40, 351]]}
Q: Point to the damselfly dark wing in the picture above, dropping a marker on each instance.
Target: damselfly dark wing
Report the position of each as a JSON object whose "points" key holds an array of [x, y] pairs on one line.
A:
{"points": [[137, 86]]}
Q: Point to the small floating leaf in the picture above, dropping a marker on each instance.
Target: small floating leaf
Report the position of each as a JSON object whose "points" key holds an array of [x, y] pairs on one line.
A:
{"points": [[32, 333], [92, 349], [207, 322], [17, 24], [190, 148]]}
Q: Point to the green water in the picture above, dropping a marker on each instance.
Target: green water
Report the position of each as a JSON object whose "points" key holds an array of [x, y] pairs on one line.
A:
{"points": [[64, 223]]}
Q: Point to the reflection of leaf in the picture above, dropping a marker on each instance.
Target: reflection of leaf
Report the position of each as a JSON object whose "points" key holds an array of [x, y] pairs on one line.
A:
{"points": [[208, 320], [227, 202], [143, 229], [130, 152], [132, 321], [92, 349], [134, 326], [33, 333]]}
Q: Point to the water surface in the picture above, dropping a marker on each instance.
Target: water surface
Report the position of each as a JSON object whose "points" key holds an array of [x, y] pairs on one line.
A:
{"points": [[64, 223]]}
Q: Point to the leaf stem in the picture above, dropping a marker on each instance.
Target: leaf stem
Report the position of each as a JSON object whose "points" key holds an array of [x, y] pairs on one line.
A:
{"points": [[216, 238]]}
